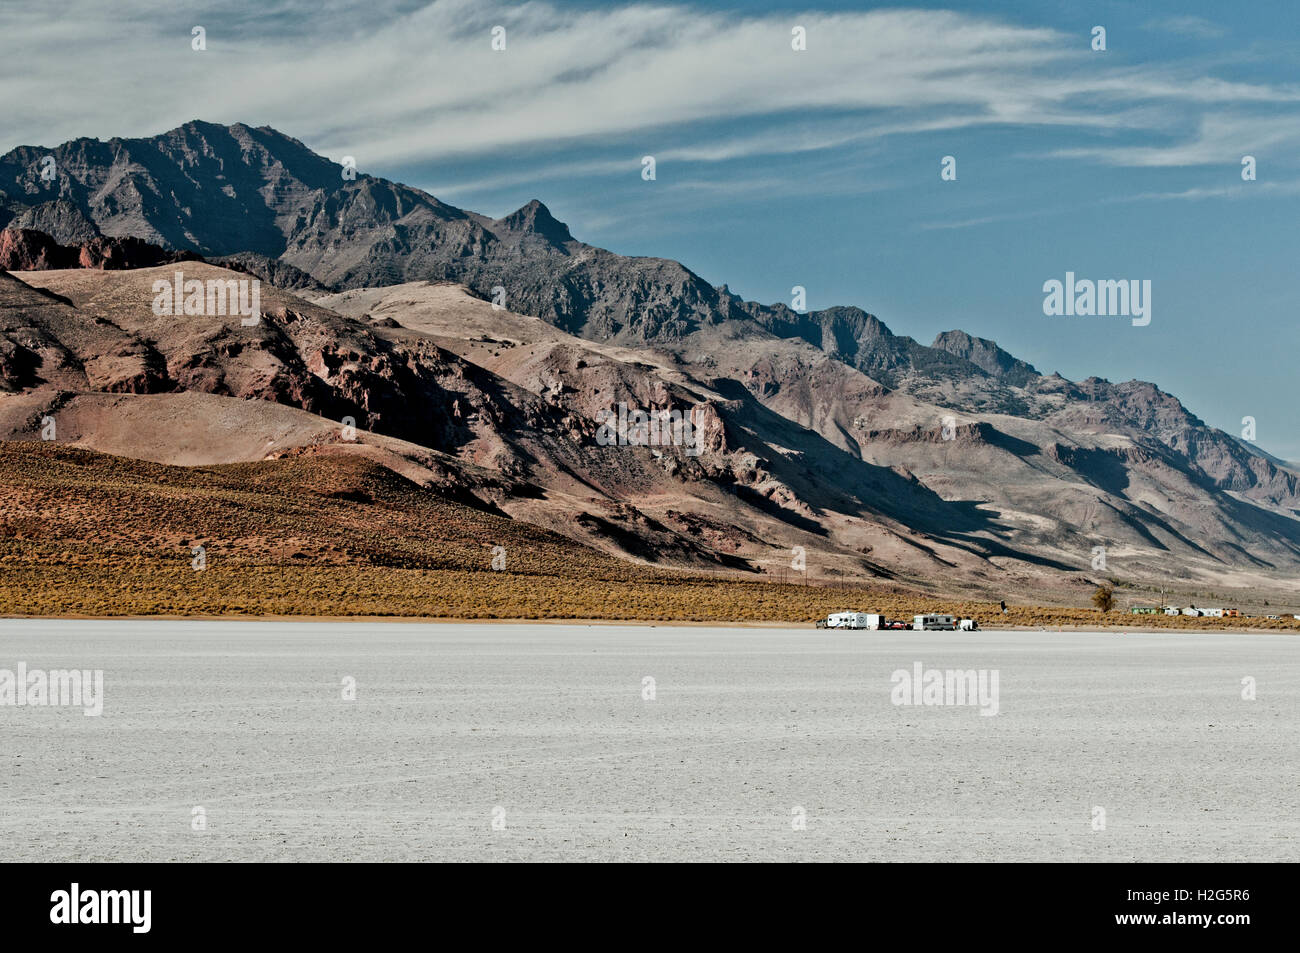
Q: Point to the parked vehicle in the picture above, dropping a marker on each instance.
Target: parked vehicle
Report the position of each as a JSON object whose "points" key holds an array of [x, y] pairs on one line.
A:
{"points": [[874, 620], [933, 621], [853, 620]]}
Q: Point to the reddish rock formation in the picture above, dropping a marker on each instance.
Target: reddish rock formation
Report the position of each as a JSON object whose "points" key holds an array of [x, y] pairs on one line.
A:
{"points": [[24, 249]]}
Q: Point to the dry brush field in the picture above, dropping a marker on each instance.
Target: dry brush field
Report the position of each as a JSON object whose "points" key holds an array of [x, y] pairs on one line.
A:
{"points": [[89, 534]]}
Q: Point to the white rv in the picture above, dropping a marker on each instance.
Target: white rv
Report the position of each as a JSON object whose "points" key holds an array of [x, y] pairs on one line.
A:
{"points": [[854, 620], [933, 620]]}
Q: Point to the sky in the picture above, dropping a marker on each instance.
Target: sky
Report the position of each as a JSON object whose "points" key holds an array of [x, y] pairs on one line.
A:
{"points": [[777, 167]]}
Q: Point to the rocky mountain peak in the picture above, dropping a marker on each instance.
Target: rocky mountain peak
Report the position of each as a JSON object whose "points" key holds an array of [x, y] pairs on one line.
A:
{"points": [[536, 219], [986, 355]]}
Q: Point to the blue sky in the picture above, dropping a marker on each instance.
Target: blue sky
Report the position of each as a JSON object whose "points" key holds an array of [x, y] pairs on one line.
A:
{"points": [[778, 168]]}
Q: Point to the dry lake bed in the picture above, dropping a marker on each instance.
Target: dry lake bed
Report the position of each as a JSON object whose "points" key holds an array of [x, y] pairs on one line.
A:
{"points": [[548, 742]]}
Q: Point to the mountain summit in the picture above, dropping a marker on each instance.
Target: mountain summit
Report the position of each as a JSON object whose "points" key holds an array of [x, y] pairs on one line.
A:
{"points": [[536, 219], [987, 356]]}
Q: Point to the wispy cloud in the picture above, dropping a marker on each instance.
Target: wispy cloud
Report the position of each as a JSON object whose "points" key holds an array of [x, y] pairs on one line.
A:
{"points": [[983, 220], [567, 170], [1239, 190], [1187, 25], [400, 81], [1217, 139]]}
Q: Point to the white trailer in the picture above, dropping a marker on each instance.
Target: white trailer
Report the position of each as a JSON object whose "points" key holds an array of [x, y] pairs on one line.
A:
{"points": [[934, 621], [855, 620], [968, 625]]}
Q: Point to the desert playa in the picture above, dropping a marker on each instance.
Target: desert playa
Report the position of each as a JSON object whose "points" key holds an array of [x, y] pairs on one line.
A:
{"points": [[672, 743]]}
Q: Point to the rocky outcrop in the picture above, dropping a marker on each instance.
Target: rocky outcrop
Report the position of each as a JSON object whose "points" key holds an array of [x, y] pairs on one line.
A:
{"points": [[24, 249], [987, 356]]}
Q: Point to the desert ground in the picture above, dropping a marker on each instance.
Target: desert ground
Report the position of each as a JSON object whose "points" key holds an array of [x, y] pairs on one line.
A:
{"points": [[547, 730]]}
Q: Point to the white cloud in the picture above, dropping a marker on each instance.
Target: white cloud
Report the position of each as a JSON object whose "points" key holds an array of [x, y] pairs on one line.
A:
{"points": [[398, 82], [984, 220], [1218, 139], [1238, 190]]}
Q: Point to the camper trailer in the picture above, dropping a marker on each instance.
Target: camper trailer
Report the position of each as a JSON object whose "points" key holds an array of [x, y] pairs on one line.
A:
{"points": [[853, 620], [968, 625], [934, 621]]}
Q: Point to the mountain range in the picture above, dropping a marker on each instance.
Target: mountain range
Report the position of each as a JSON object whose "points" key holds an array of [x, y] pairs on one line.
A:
{"points": [[476, 354]]}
